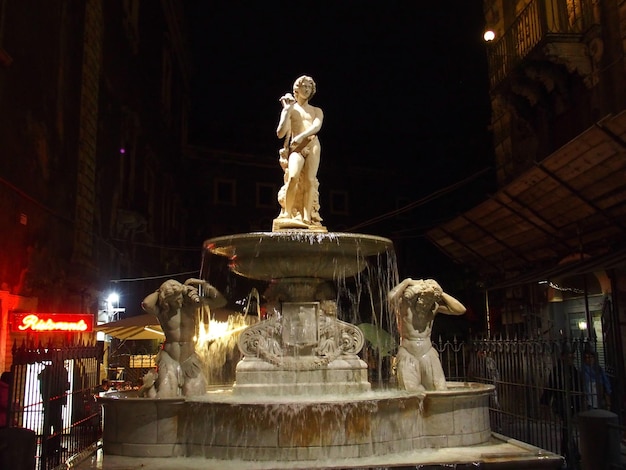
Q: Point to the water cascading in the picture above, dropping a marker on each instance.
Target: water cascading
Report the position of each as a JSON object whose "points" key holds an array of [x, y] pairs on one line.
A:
{"points": [[309, 343]]}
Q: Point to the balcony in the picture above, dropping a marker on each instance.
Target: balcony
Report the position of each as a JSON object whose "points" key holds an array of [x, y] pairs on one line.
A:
{"points": [[551, 29]]}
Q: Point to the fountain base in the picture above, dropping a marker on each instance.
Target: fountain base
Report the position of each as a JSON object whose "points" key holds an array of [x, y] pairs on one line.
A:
{"points": [[376, 423], [499, 453], [142, 427], [347, 375], [222, 425]]}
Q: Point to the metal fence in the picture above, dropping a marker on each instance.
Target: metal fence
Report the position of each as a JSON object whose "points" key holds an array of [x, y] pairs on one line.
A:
{"points": [[52, 394], [540, 387]]}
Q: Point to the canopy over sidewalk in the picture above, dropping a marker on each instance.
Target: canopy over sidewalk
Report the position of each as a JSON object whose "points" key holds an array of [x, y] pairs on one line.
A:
{"points": [[144, 326]]}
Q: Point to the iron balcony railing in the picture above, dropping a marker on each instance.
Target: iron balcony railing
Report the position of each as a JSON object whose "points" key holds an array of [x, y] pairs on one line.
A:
{"points": [[539, 22]]}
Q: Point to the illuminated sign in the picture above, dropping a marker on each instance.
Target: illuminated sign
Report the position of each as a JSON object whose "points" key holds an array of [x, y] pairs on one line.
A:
{"points": [[52, 322]]}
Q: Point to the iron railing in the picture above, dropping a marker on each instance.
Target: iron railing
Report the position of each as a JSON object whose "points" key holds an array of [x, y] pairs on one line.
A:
{"points": [[539, 390], [52, 394], [536, 399]]}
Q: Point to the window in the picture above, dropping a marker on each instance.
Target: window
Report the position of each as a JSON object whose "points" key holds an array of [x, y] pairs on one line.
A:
{"points": [[224, 192]]}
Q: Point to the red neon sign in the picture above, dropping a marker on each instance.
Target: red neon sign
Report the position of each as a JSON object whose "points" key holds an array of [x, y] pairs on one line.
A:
{"points": [[52, 322]]}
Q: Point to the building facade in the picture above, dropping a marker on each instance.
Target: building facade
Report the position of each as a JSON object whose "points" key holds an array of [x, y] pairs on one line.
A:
{"points": [[548, 246], [94, 97]]}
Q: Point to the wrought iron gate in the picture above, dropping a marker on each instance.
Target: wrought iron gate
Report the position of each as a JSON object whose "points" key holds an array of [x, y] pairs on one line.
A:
{"points": [[52, 394], [540, 389]]}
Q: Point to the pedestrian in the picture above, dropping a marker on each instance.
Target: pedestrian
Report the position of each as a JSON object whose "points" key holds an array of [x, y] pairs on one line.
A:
{"points": [[563, 394], [596, 384], [5, 384], [53, 383], [102, 388]]}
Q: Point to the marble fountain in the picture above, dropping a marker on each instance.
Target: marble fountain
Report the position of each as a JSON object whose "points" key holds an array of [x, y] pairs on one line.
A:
{"points": [[301, 391], [301, 396]]}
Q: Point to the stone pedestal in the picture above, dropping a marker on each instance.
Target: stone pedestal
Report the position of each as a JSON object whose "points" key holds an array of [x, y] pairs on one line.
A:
{"points": [[599, 440], [344, 376]]}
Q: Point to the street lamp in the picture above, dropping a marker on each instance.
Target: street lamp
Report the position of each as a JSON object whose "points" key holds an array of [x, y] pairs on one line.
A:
{"points": [[113, 305], [113, 298]]}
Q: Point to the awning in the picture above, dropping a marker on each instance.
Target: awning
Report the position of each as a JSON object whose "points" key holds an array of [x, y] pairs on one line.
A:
{"points": [[605, 262], [145, 326], [574, 200]]}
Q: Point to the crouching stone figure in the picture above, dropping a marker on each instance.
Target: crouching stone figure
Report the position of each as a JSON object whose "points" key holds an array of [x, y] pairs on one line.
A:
{"points": [[178, 308], [416, 302]]}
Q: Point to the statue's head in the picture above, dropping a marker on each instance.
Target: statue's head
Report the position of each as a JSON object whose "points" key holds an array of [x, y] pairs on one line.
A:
{"points": [[171, 294], [302, 80], [329, 308], [425, 294]]}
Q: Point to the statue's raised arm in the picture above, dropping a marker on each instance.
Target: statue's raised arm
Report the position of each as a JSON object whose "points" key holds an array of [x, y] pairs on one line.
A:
{"points": [[177, 306], [416, 302]]}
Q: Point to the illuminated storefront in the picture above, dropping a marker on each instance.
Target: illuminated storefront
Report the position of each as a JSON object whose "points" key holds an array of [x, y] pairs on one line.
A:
{"points": [[38, 341]]}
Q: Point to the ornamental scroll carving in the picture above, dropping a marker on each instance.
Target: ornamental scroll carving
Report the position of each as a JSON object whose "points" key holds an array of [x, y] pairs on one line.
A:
{"points": [[335, 338]]}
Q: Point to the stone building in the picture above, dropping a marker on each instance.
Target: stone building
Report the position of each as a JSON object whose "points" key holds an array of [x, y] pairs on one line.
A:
{"points": [[94, 99], [549, 246]]}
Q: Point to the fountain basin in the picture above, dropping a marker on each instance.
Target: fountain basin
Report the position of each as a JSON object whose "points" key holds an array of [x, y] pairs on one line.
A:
{"points": [[141, 427], [276, 255], [222, 425]]}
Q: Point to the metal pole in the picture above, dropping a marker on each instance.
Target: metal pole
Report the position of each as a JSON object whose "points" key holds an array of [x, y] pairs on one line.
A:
{"points": [[488, 316]]}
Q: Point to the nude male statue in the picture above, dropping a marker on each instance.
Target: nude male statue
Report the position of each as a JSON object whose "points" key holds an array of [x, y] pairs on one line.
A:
{"points": [[300, 158], [416, 303], [176, 306]]}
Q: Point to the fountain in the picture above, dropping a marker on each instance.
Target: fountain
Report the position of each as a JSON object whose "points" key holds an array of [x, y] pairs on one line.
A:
{"points": [[301, 396]]}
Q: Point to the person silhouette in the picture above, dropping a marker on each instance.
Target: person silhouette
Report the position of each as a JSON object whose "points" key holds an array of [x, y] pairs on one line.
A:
{"points": [[564, 395], [53, 383], [596, 384], [5, 383]]}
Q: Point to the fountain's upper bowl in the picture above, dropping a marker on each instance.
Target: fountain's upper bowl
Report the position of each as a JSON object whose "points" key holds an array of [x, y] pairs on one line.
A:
{"points": [[291, 254]]}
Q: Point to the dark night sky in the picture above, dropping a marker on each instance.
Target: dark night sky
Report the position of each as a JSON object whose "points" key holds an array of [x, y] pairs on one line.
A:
{"points": [[397, 80], [401, 82]]}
